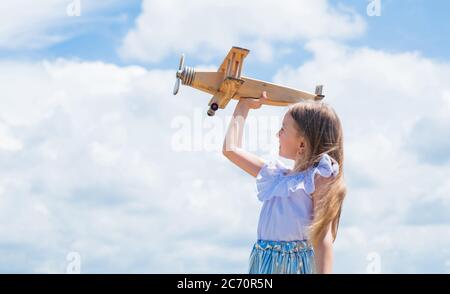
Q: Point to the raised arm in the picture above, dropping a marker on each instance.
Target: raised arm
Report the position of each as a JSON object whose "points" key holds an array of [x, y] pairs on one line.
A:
{"points": [[232, 145]]}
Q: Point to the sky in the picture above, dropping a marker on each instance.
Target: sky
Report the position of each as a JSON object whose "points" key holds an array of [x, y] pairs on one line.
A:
{"points": [[103, 170]]}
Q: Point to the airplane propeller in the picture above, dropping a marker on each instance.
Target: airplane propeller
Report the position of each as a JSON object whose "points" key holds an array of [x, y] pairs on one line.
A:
{"points": [[179, 75]]}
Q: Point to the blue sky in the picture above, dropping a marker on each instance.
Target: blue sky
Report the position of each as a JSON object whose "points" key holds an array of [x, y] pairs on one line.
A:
{"points": [[89, 129], [404, 26]]}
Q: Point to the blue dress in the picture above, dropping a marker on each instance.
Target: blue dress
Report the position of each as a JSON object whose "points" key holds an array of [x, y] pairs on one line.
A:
{"points": [[282, 243]]}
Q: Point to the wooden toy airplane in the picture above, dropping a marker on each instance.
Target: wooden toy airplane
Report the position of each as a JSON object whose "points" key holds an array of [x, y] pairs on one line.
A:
{"points": [[227, 83]]}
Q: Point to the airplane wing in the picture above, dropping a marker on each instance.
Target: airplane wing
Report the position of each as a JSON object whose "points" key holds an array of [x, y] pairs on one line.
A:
{"points": [[232, 64], [278, 94]]}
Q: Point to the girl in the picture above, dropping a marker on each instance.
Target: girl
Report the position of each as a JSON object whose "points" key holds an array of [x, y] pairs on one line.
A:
{"points": [[301, 208]]}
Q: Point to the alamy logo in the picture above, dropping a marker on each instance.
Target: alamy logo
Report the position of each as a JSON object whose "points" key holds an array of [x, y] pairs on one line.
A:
{"points": [[74, 8], [74, 266], [374, 266], [374, 8]]}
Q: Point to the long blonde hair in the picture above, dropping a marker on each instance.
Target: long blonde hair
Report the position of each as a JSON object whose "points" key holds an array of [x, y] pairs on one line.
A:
{"points": [[319, 124]]}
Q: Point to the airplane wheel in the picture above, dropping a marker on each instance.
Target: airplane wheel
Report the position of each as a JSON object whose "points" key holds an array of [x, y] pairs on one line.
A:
{"points": [[214, 106]]}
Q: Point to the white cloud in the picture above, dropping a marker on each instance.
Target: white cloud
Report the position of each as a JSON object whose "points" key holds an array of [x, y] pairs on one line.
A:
{"points": [[400, 249], [23, 22], [96, 175], [8, 142], [27, 24], [208, 28]]}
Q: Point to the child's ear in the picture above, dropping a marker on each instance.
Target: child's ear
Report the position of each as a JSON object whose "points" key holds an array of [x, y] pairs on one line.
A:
{"points": [[301, 147]]}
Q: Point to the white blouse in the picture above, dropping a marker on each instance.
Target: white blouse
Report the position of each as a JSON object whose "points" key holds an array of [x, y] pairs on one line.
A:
{"points": [[287, 209]]}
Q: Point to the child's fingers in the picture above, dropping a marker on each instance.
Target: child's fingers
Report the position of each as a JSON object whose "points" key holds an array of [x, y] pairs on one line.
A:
{"points": [[263, 97]]}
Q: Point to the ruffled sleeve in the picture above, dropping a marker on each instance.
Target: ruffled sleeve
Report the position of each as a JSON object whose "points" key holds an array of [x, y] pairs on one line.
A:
{"points": [[325, 168], [268, 179]]}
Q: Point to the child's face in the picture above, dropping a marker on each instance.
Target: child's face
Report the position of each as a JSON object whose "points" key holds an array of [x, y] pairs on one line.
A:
{"points": [[290, 141]]}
